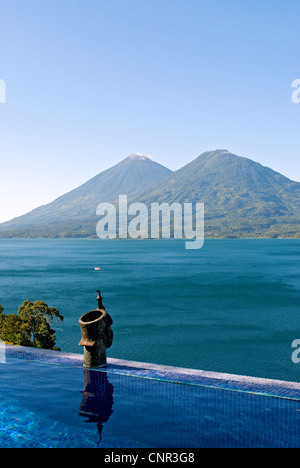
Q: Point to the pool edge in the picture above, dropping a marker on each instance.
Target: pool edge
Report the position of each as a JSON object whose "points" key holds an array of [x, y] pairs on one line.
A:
{"points": [[249, 384]]}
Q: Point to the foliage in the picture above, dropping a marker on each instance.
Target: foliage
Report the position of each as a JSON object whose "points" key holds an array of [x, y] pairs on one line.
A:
{"points": [[31, 326], [1, 317]]}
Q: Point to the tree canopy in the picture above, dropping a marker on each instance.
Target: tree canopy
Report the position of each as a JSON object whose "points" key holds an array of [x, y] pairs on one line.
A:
{"points": [[30, 326]]}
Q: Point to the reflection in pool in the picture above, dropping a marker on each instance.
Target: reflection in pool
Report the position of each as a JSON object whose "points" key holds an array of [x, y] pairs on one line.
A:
{"points": [[97, 399]]}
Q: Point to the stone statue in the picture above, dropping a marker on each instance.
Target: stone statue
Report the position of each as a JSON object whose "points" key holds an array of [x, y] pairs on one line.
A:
{"points": [[96, 335]]}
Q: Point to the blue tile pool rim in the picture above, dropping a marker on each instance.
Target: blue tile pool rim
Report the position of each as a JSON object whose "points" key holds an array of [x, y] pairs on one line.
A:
{"points": [[173, 375]]}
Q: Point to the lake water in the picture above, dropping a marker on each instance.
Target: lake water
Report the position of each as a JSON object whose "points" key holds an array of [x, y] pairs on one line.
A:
{"points": [[232, 306]]}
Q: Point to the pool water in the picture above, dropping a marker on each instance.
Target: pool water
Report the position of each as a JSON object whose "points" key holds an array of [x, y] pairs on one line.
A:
{"points": [[50, 400]]}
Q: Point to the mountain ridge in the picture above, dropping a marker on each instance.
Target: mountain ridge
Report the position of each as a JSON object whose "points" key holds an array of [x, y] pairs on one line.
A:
{"points": [[242, 198], [129, 175]]}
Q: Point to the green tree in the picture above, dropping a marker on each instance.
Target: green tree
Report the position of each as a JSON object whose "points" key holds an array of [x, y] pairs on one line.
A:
{"points": [[1, 317], [31, 326], [14, 331]]}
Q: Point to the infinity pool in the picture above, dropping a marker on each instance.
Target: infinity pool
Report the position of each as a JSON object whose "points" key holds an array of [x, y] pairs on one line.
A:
{"points": [[47, 400]]}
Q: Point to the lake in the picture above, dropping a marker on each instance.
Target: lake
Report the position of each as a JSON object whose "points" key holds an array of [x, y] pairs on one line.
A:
{"points": [[232, 306]]}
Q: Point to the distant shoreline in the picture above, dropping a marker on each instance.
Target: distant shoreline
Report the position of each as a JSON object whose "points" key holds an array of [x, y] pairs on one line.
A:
{"points": [[150, 239]]}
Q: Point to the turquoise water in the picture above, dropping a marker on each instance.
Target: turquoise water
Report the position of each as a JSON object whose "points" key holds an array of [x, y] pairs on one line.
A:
{"points": [[232, 306]]}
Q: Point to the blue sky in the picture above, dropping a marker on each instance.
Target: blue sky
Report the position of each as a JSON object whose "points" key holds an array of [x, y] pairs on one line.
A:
{"points": [[90, 82]]}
